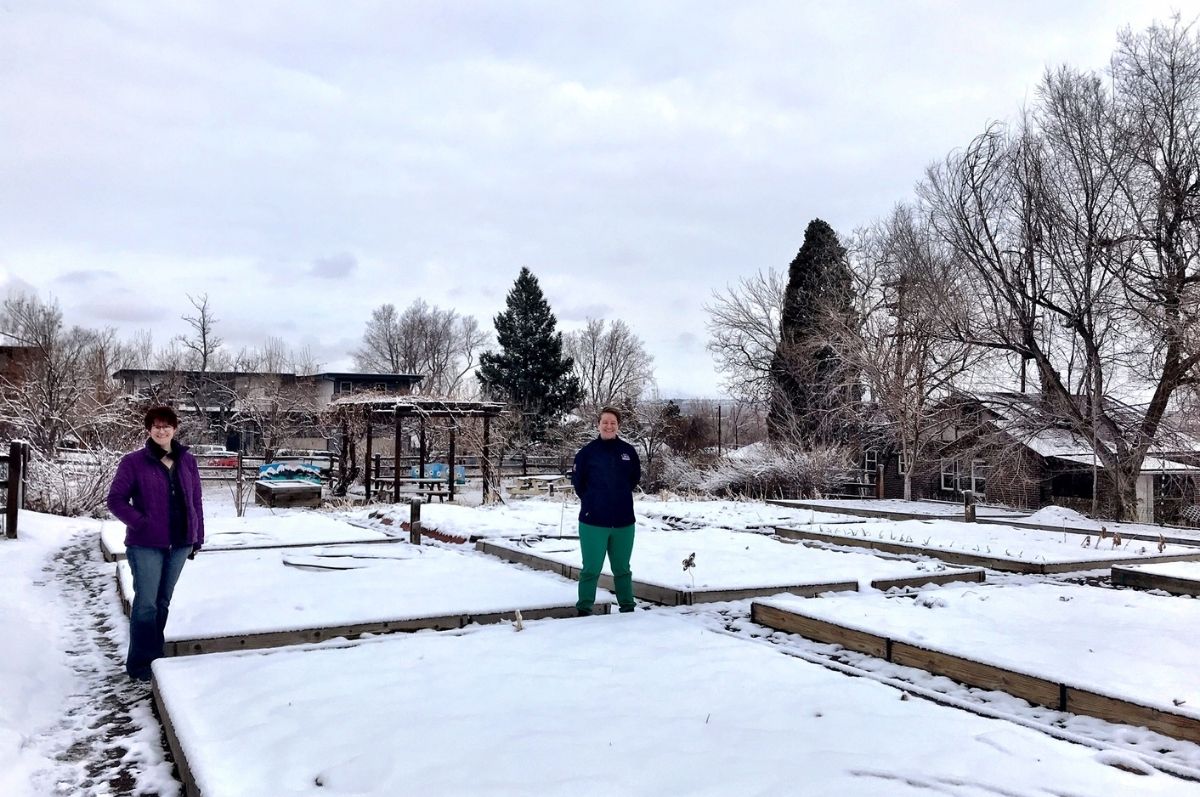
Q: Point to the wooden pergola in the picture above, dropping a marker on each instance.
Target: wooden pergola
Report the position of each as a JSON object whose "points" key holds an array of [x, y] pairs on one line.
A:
{"points": [[395, 409]]}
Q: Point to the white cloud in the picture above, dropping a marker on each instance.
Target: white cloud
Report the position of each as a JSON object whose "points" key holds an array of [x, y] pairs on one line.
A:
{"points": [[634, 156]]}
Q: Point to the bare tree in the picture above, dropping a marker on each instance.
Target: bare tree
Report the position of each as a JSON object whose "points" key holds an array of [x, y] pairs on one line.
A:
{"points": [[611, 363], [1078, 232], [902, 275], [744, 333], [440, 345], [204, 342]]}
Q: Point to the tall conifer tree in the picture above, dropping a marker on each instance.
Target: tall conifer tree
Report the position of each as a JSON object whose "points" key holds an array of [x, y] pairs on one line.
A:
{"points": [[530, 371], [813, 389]]}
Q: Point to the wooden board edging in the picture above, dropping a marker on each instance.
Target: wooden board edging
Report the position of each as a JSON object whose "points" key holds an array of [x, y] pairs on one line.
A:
{"points": [[190, 787], [1128, 577], [303, 636], [953, 557], [527, 558], [820, 630], [977, 560], [799, 590], [978, 674], [1114, 709], [1046, 692], [974, 575]]}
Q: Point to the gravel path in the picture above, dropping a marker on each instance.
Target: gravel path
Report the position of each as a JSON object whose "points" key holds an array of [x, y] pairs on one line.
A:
{"points": [[109, 742]]}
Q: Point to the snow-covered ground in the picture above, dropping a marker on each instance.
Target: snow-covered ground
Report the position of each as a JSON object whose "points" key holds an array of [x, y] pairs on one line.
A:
{"points": [[726, 560], [1003, 542], [1059, 517], [261, 528], [873, 506], [665, 701], [557, 516]]}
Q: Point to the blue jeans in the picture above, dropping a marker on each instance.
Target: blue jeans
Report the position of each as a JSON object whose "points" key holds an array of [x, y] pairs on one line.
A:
{"points": [[155, 571]]}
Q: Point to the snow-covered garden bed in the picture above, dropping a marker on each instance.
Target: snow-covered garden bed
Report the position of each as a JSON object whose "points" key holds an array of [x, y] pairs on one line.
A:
{"points": [[1123, 645], [259, 530], [995, 546], [1057, 518], [727, 564], [641, 704], [261, 598], [1179, 578], [898, 509]]}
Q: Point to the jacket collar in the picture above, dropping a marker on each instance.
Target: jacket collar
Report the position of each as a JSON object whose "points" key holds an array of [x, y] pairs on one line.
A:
{"points": [[157, 452]]}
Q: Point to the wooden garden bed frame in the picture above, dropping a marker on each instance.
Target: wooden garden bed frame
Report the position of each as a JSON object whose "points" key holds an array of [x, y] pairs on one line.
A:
{"points": [[1059, 696], [672, 596], [976, 560], [301, 636], [1140, 579]]}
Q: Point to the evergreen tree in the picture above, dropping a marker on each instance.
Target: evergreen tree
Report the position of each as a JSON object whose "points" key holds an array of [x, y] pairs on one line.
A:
{"points": [[813, 389], [530, 371]]}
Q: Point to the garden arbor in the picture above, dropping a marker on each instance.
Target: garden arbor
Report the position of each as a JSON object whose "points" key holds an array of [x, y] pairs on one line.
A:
{"points": [[370, 410]]}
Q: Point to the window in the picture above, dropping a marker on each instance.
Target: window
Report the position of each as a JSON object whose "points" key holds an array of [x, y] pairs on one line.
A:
{"points": [[870, 459], [345, 386], [902, 463], [950, 475], [979, 474]]}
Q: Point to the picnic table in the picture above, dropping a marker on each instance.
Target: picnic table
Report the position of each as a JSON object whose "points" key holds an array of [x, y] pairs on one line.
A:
{"points": [[544, 483], [428, 486]]}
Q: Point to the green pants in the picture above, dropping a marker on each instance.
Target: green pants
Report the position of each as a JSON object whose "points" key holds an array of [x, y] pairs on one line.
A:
{"points": [[595, 542]]}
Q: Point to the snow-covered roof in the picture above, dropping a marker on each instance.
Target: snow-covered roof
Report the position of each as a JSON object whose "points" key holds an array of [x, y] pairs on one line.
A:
{"points": [[1149, 464], [1022, 417]]}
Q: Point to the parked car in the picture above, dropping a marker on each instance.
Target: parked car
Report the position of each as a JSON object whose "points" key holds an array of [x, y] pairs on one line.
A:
{"points": [[214, 456], [306, 456]]}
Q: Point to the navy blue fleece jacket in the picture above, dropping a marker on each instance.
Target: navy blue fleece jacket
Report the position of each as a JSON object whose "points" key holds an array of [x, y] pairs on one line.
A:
{"points": [[605, 473]]}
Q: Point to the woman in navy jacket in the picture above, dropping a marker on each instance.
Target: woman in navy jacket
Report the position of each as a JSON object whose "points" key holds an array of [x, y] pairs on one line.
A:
{"points": [[606, 472], [156, 494]]}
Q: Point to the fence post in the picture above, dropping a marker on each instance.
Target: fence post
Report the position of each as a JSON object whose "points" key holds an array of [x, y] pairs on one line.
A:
{"points": [[414, 521], [17, 452], [879, 482], [969, 505]]}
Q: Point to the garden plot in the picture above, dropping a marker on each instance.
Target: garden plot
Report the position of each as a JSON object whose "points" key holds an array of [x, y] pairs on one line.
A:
{"points": [[992, 546], [1057, 518], [730, 565], [265, 598], [558, 517], [735, 515], [637, 704], [260, 530], [1122, 656], [897, 509], [453, 522], [1178, 578]]}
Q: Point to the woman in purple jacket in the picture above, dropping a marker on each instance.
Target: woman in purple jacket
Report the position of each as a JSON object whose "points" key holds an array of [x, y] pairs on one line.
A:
{"points": [[156, 494]]}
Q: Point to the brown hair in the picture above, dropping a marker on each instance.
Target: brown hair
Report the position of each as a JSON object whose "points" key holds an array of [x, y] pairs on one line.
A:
{"points": [[609, 411], [161, 414]]}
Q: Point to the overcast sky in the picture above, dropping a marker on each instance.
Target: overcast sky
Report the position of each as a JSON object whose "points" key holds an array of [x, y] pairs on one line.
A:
{"points": [[305, 162]]}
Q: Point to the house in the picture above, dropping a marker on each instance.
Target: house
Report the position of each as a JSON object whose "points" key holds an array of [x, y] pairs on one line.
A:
{"points": [[1009, 448], [269, 407]]}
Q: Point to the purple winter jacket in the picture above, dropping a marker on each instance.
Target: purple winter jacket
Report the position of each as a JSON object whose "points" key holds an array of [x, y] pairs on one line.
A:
{"points": [[140, 498]]}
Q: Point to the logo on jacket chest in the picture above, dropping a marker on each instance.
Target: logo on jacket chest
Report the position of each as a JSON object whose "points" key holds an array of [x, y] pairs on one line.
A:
{"points": [[625, 457]]}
